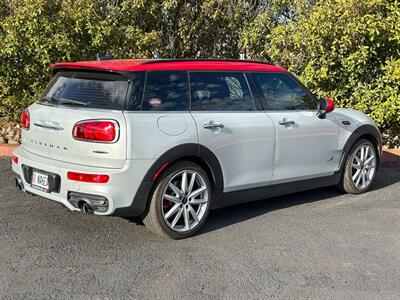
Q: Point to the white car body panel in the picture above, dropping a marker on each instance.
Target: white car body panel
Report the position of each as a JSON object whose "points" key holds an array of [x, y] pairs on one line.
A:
{"points": [[244, 147], [60, 145], [152, 134], [130, 175], [308, 148], [252, 148], [356, 119]]}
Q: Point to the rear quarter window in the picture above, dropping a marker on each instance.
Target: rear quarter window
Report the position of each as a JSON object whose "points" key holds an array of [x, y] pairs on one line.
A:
{"points": [[166, 91], [88, 89]]}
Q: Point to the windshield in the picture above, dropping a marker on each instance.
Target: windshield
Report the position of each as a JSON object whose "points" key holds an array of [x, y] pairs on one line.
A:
{"points": [[89, 89]]}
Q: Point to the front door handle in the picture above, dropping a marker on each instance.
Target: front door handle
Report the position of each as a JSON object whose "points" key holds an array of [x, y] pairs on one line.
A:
{"points": [[286, 122], [212, 125]]}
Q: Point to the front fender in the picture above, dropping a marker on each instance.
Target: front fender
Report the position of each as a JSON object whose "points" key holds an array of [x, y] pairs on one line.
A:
{"points": [[367, 131]]}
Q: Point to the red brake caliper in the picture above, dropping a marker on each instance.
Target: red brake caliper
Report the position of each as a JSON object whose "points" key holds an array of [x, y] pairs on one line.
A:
{"points": [[165, 205]]}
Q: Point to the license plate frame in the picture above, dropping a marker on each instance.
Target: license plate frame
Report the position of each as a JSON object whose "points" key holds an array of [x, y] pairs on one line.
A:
{"points": [[40, 181]]}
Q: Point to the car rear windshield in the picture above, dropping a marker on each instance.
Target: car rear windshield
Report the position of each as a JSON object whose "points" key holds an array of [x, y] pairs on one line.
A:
{"points": [[86, 89]]}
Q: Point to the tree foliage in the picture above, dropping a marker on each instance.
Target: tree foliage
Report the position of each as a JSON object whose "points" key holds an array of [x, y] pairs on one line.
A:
{"points": [[36, 33], [346, 49]]}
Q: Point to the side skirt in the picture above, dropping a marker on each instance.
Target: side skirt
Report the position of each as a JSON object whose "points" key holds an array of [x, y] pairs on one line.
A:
{"points": [[265, 192]]}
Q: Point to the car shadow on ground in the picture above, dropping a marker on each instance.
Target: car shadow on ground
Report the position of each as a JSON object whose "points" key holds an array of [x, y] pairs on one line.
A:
{"points": [[235, 214], [227, 216]]}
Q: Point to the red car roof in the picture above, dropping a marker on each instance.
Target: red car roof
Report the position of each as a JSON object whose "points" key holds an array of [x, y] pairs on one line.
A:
{"points": [[161, 65]]}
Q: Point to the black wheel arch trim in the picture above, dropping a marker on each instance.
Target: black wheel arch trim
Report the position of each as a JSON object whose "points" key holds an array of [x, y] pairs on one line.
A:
{"points": [[189, 150], [363, 130]]}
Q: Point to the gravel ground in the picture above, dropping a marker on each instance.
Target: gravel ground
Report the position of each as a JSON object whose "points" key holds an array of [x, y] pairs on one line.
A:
{"points": [[312, 245]]}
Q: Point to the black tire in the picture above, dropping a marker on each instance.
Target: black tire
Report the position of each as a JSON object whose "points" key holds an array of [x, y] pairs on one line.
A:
{"points": [[154, 220], [346, 184]]}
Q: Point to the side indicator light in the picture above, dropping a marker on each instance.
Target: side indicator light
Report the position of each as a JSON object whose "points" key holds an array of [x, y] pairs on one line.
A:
{"points": [[156, 174]]}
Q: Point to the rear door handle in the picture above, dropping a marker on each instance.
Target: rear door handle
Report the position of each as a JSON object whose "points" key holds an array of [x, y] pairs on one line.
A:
{"points": [[286, 122], [212, 125], [48, 126]]}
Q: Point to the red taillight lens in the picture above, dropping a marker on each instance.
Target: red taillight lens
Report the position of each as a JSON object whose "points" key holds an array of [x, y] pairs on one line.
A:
{"points": [[97, 131], [25, 120], [94, 178], [15, 159]]}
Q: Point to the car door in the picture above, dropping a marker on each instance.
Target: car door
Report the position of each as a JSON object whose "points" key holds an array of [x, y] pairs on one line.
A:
{"points": [[228, 124], [306, 146]]}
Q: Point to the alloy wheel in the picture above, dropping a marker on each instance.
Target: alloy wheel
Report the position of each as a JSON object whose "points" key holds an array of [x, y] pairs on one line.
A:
{"points": [[363, 166], [184, 201]]}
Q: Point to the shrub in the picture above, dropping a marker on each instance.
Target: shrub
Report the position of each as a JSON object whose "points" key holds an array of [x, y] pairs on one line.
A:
{"points": [[348, 50], [36, 33]]}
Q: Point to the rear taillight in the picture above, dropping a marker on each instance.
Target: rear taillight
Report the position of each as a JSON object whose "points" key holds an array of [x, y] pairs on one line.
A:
{"points": [[15, 159], [96, 131], [25, 120], [84, 177]]}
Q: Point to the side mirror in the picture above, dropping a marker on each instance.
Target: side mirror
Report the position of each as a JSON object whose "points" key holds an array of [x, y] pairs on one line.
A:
{"points": [[325, 105]]}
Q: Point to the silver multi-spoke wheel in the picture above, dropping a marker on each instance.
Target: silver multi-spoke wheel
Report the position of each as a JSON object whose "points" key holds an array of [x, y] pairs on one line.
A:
{"points": [[363, 166], [184, 200]]}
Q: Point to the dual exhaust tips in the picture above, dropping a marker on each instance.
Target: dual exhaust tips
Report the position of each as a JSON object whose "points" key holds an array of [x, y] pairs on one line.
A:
{"points": [[86, 203]]}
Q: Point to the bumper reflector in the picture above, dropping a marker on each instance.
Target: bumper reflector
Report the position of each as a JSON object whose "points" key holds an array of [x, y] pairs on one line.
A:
{"points": [[84, 177]]}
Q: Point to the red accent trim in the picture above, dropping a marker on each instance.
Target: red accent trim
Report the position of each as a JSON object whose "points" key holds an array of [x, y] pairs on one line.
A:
{"points": [[83, 177], [15, 159], [330, 105], [156, 174], [139, 65]]}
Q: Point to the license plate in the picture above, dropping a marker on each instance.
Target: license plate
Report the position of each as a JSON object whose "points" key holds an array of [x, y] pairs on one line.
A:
{"points": [[40, 181]]}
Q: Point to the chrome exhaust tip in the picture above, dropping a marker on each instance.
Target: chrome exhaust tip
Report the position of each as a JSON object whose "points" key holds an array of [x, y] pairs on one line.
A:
{"points": [[19, 184], [87, 208], [88, 203]]}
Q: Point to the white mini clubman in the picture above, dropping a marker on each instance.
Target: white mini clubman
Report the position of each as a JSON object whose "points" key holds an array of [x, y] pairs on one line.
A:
{"points": [[169, 140]]}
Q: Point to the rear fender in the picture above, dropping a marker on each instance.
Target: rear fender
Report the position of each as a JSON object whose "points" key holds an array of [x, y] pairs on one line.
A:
{"points": [[185, 151]]}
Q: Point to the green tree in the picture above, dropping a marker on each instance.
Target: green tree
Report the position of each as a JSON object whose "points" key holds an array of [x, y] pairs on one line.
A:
{"points": [[348, 50], [36, 33], [263, 17]]}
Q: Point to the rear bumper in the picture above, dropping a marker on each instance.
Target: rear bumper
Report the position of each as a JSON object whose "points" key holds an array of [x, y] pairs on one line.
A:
{"points": [[120, 191]]}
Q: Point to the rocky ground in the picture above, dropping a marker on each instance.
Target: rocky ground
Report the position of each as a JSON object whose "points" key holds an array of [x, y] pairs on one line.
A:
{"points": [[391, 139], [10, 133]]}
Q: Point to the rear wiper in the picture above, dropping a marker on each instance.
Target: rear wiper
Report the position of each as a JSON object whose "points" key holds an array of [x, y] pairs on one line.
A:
{"points": [[73, 102], [48, 100], [54, 100]]}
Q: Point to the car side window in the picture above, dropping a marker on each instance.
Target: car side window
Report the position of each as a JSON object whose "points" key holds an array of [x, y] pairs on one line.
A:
{"points": [[279, 91], [166, 91], [220, 91]]}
